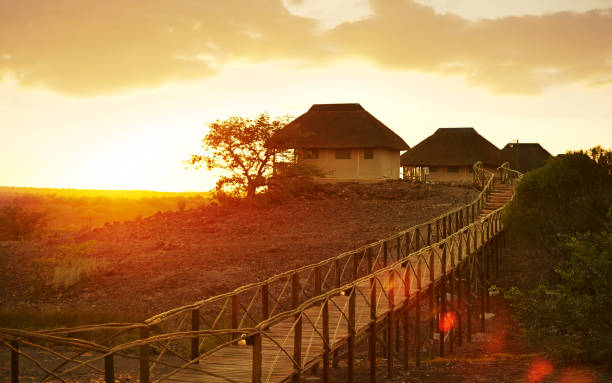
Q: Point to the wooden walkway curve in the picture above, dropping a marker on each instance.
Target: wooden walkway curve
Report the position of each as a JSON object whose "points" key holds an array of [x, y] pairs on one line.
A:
{"points": [[397, 294]]}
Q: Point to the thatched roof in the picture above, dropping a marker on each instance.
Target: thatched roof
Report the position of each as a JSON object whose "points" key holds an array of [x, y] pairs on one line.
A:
{"points": [[336, 126], [525, 157], [452, 147]]}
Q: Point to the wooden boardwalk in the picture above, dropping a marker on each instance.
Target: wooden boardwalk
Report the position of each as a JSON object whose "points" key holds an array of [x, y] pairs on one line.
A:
{"points": [[235, 363], [282, 328]]}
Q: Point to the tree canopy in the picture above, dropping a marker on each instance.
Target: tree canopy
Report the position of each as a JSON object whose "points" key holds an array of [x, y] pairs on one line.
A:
{"points": [[237, 146]]}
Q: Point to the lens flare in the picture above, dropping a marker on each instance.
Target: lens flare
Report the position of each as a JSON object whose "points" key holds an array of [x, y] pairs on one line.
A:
{"points": [[577, 375], [447, 321], [540, 368]]}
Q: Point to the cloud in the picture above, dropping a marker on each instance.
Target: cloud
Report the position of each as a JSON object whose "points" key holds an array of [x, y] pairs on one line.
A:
{"points": [[90, 47], [522, 54]]}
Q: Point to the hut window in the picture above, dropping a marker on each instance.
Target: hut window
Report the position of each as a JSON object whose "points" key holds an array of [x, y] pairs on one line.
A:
{"points": [[309, 154], [368, 154], [433, 169], [453, 169], [343, 154]]}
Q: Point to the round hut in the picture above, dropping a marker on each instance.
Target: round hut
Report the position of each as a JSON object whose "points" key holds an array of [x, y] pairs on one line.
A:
{"points": [[525, 156], [344, 140], [448, 155]]}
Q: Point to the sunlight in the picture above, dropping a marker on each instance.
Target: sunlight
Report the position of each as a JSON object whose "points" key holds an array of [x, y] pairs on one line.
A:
{"points": [[447, 321], [539, 369]]}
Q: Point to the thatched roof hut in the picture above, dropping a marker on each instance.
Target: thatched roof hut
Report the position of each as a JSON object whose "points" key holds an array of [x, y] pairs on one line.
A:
{"points": [[525, 157], [336, 126], [452, 147]]}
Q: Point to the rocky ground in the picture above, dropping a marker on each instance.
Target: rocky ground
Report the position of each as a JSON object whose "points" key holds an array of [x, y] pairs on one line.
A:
{"points": [[174, 258]]}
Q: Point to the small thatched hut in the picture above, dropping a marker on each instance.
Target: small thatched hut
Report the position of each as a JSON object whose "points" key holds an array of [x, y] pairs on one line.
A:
{"points": [[448, 156], [525, 157], [344, 140]]}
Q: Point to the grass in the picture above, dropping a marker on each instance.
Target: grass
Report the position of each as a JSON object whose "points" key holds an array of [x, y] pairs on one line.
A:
{"points": [[43, 319], [71, 210]]}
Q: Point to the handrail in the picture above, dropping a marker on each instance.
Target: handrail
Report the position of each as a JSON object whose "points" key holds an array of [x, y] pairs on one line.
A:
{"points": [[381, 258]]}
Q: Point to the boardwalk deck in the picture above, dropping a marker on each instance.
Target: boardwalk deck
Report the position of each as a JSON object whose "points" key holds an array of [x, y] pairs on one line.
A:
{"points": [[235, 363], [299, 318]]}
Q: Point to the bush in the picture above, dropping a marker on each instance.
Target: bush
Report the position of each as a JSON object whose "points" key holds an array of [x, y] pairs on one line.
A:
{"points": [[18, 223], [293, 179], [67, 266], [561, 209], [572, 319], [569, 195]]}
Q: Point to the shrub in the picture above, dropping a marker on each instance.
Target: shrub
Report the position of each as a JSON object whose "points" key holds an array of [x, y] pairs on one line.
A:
{"points": [[561, 208], [293, 179], [571, 318], [18, 223], [569, 195], [67, 266]]}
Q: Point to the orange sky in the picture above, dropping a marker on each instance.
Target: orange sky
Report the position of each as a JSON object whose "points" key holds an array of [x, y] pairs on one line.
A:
{"points": [[116, 93]]}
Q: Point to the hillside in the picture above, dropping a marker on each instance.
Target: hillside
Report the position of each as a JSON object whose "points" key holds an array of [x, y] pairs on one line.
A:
{"points": [[172, 258]]}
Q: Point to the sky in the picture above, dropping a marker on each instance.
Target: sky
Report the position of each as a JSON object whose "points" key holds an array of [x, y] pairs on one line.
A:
{"points": [[116, 94]]}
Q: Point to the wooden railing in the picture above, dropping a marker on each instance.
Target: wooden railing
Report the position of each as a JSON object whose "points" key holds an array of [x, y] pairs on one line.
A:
{"points": [[177, 340]]}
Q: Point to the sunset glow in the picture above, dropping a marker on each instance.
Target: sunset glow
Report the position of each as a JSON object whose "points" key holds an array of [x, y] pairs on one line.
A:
{"points": [[447, 321], [116, 94]]}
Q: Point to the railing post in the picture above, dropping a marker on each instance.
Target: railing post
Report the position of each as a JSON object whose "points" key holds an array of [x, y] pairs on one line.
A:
{"points": [[351, 336], [417, 239], [385, 253], [487, 258], [459, 296], [355, 266], [470, 257], [432, 294], [297, 348], [195, 326], [391, 324], [234, 315], [406, 316], [399, 248], [482, 288], [442, 300], [326, 342], [265, 301], [338, 272], [257, 359], [109, 368], [444, 224], [14, 361], [372, 329], [428, 234], [417, 314], [144, 356], [295, 290], [457, 220]]}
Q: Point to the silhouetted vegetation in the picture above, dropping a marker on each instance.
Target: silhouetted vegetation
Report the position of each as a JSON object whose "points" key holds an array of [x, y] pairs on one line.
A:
{"points": [[17, 222], [292, 180], [571, 194], [28, 212], [564, 210], [66, 266], [237, 146]]}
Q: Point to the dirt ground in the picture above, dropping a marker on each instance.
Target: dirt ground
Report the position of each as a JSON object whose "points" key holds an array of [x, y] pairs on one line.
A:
{"points": [[174, 258], [499, 355], [170, 259]]}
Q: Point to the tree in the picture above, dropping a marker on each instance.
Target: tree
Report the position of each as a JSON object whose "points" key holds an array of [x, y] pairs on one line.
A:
{"points": [[237, 146], [569, 195]]}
